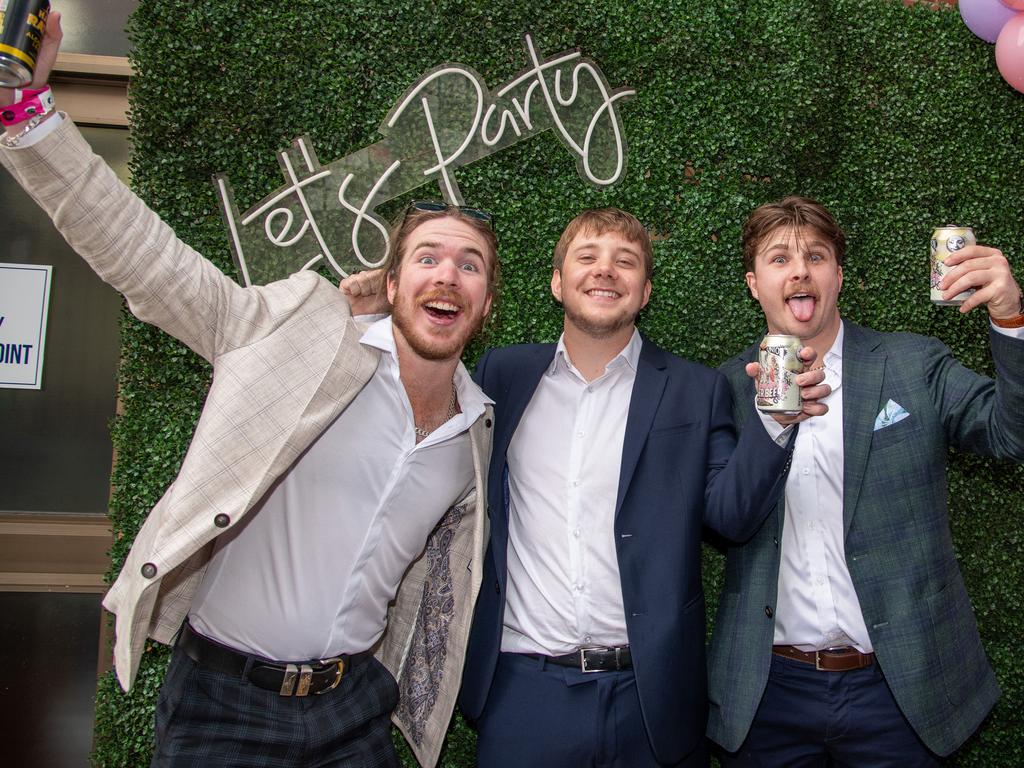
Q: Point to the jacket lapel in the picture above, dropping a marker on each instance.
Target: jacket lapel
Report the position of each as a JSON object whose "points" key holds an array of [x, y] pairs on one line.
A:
{"points": [[863, 369], [643, 405]]}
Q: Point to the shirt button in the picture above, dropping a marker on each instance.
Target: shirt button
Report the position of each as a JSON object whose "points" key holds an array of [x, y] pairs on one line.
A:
{"points": [[588, 639], [148, 571], [806, 471], [576, 533], [575, 483], [579, 434], [577, 587], [221, 520]]}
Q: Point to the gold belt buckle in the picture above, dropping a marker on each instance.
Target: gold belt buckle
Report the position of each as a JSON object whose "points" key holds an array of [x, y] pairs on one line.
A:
{"points": [[339, 671]]}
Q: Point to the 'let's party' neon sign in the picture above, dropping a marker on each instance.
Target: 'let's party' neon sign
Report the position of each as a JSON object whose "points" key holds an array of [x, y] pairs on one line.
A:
{"points": [[325, 214]]}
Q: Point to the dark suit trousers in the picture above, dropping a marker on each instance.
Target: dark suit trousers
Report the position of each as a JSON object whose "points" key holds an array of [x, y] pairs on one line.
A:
{"points": [[206, 718], [541, 714], [813, 719]]}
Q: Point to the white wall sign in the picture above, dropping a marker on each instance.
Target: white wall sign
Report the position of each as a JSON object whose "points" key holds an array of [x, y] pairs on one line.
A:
{"points": [[446, 119], [24, 303]]}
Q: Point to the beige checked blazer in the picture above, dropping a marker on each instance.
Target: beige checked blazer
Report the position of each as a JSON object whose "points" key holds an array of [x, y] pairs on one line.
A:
{"points": [[286, 361]]}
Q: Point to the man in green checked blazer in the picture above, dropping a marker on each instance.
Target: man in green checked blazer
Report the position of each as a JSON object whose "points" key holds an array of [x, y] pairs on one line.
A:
{"points": [[845, 635]]}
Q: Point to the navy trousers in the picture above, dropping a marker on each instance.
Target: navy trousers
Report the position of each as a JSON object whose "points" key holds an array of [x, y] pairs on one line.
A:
{"points": [[541, 714], [813, 719], [206, 718]]}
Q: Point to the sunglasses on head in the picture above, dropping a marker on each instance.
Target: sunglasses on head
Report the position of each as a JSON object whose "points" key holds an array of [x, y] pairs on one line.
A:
{"points": [[437, 206]]}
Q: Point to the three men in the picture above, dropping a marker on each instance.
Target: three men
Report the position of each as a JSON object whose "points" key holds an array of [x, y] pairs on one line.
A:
{"points": [[845, 635], [326, 454], [610, 454]]}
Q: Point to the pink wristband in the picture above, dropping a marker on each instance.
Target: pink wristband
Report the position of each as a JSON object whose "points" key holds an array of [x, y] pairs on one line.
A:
{"points": [[29, 103]]}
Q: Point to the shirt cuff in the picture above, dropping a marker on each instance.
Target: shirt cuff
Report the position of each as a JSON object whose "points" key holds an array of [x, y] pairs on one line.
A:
{"points": [[41, 131], [1013, 333], [777, 432]]}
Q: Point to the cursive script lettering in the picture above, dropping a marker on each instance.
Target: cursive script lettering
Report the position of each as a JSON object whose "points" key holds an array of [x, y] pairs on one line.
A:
{"points": [[447, 119]]}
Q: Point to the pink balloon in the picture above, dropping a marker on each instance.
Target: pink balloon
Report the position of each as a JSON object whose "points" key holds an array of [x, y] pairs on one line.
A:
{"points": [[1010, 52], [1017, 5], [985, 18]]}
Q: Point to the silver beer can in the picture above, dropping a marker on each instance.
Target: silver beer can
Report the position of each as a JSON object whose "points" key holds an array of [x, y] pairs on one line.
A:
{"points": [[777, 390], [945, 241], [22, 23]]}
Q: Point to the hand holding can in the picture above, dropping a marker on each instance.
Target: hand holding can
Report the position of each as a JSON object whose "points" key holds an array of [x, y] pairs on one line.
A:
{"points": [[945, 242], [22, 26]]}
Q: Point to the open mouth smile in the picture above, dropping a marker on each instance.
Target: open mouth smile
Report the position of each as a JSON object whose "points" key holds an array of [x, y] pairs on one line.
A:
{"points": [[442, 310], [602, 293]]}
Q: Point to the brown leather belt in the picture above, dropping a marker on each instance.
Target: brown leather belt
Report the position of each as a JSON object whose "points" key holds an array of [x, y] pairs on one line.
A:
{"points": [[830, 660]]}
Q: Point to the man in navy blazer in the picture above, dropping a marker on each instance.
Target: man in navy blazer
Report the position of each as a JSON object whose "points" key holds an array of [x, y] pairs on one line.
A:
{"points": [[609, 456]]}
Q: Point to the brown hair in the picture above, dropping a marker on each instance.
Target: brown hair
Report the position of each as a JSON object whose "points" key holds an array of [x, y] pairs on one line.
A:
{"points": [[598, 221], [791, 211], [413, 217]]}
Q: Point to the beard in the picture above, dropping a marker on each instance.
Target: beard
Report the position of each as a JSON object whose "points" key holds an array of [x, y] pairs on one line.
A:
{"points": [[439, 343], [598, 328]]}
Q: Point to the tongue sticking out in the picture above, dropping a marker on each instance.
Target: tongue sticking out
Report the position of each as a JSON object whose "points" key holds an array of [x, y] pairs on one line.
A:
{"points": [[802, 307]]}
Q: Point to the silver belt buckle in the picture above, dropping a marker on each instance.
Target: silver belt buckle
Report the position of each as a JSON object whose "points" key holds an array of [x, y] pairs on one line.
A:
{"points": [[583, 659]]}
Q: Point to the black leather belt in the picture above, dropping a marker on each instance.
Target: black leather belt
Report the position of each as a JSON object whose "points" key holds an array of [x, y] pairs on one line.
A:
{"points": [[298, 679], [593, 659]]}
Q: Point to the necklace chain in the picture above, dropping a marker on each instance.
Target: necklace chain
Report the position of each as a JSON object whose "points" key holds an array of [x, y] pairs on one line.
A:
{"points": [[452, 404]]}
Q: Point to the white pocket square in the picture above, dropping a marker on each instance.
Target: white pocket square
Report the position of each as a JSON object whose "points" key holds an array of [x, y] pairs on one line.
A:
{"points": [[892, 413]]}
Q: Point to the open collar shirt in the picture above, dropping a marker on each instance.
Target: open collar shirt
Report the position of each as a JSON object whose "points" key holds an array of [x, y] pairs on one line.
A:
{"points": [[310, 571], [564, 590]]}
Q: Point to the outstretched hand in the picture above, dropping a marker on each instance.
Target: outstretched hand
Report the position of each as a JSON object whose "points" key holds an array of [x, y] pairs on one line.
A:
{"points": [[987, 271], [46, 59]]}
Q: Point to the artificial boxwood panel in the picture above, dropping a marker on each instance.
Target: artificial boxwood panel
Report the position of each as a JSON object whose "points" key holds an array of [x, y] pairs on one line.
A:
{"points": [[893, 116]]}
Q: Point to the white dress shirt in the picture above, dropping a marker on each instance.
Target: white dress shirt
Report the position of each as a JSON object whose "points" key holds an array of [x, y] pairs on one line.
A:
{"points": [[817, 605], [564, 460], [309, 573]]}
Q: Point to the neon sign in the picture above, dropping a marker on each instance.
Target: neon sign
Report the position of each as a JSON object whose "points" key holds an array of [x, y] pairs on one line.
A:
{"points": [[325, 214]]}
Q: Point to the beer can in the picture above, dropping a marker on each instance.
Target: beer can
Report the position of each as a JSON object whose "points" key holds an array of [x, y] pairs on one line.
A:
{"points": [[947, 240], [777, 390], [22, 23]]}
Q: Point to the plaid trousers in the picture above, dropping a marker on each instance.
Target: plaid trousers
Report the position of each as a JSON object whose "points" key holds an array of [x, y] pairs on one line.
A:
{"points": [[206, 718]]}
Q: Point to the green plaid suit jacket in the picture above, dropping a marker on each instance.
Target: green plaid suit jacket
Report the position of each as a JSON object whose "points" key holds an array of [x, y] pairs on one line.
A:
{"points": [[897, 538]]}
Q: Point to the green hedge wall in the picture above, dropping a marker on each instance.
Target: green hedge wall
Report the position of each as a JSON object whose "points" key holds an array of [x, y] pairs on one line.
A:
{"points": [[895, 117]]}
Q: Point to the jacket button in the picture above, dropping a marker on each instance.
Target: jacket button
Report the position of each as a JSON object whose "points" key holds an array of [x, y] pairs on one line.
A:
{"points": [[149, 570], [487, 423], [768, 611], [775, 541], [497, 587], [221, 520]]}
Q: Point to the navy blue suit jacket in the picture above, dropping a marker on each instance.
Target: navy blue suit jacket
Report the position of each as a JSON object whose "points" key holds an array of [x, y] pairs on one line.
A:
{"points": [[682, 468]]}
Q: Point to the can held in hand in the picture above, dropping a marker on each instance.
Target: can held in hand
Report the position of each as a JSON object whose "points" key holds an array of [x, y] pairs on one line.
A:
{"points": [[947, 240], [22, 24], [777, 390]]}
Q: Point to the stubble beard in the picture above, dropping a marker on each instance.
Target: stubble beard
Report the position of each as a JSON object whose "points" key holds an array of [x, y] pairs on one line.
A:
{"points": [[602, 328], [431, 347]]}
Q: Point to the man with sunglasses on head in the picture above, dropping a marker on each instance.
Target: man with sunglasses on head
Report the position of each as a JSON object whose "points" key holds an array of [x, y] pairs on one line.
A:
{"points": [[334, 470]]}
